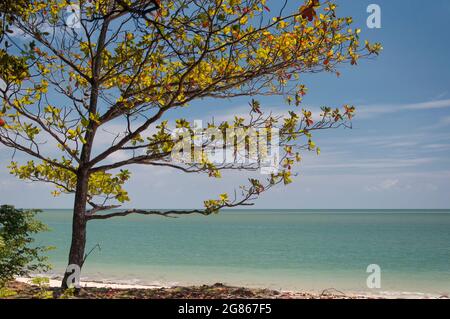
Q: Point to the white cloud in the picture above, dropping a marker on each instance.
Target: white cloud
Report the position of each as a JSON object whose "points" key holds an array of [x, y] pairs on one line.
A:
{"points": [[437, 146], [389, 183], [228, 114], [369, 111], [377, 163]]}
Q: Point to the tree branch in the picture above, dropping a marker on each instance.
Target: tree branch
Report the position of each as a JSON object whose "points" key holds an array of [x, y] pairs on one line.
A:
{"points": [[148, 212]]}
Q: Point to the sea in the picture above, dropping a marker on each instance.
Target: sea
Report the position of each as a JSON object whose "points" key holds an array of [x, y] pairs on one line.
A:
{"points": [[379, 252]]}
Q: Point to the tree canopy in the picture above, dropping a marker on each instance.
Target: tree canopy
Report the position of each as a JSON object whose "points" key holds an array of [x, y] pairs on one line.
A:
{"points": [[18, 254], [70, 69]]}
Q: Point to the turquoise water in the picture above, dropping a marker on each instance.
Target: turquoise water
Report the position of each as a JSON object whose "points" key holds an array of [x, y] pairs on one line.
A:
{"points": [[282, 249]]}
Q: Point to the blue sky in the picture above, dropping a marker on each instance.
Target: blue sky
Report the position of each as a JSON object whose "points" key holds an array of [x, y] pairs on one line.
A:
{"points": [[396, 156]]}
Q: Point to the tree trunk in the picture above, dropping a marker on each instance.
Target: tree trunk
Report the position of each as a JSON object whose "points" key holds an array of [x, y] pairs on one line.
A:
{"points": [[76, 255], [77, 248]]}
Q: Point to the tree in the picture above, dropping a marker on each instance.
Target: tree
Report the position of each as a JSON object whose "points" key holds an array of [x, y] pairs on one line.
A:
{"points": [[9, 9], [18, 256], [131, 62]]}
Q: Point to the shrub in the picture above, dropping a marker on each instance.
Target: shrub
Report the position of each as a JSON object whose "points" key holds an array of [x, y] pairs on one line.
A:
{"points": [[18, 255]]}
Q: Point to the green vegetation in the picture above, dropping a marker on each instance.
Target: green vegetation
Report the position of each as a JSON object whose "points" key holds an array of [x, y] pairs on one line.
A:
{"points": [[132, 63], [18, 255]]}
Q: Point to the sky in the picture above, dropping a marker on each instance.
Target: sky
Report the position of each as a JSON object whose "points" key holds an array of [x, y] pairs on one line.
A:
{"points": [[396, 155]]}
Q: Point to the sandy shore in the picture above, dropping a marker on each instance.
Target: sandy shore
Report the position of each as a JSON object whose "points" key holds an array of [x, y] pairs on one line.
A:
{"points": [[55, 283], [220, 291]]}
